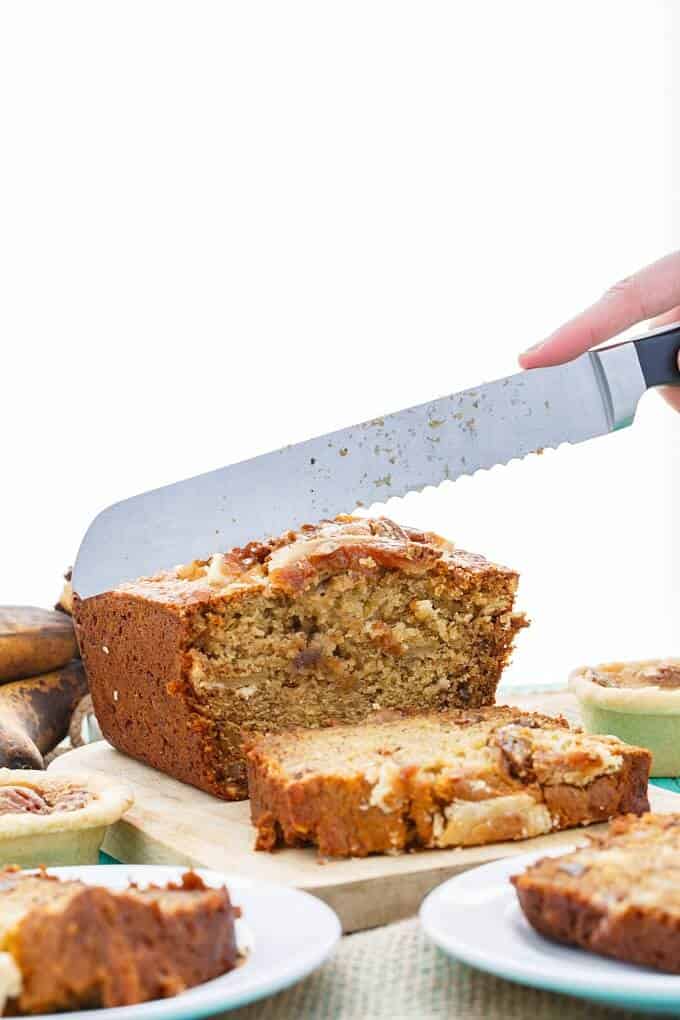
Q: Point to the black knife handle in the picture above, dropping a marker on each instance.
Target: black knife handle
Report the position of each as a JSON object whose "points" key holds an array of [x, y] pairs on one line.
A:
{"points": [[658, 357]]}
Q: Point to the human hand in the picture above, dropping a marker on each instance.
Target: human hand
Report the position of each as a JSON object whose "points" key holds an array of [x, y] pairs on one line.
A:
{"points": [[651, 293]]}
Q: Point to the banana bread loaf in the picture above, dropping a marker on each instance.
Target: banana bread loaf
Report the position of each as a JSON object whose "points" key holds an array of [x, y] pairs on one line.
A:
{"points": [[455, 778], [618, 896], [65, 945], [332, 623]]}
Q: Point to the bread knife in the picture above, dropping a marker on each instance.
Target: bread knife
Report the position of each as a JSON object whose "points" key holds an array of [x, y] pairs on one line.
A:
{"points": [[369, 463]]}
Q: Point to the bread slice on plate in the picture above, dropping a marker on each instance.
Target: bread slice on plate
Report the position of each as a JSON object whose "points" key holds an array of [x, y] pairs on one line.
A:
{"points": [[455, 778], [332, 623], [65, 945], [618, 896]]}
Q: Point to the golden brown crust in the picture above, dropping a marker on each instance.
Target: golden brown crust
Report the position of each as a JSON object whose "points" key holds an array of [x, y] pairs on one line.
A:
{"points": [[154, 670], [423, 795], [142, 702], [35, 804], [97, 948], [617, 896], [297, 559]]}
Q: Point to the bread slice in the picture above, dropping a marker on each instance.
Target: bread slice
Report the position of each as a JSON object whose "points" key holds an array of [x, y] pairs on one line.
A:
{"points": [[455, 778], [65, 945], [618, 896], [332, 623]]}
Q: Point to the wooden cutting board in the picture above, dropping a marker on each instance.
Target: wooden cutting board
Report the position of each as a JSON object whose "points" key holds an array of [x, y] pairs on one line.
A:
{"points": [[171, 823]]}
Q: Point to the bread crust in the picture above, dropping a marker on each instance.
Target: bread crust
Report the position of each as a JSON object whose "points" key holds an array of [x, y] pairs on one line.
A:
{"points": [[340, 814], [559, 904], [104, 949], [137, 641], [141, 699]]}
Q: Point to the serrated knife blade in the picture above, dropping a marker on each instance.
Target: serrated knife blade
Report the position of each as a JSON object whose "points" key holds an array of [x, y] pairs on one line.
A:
{"points": [[368, 463]]}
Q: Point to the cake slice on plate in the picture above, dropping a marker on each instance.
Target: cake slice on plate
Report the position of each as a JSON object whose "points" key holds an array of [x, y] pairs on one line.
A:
{"points": [[332, 623], [454, 778], [618, 896], [65, 945]]}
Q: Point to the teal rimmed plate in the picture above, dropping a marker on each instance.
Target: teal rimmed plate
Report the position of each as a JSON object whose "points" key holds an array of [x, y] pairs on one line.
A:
{"points": [[285, 934], [475, 917]]}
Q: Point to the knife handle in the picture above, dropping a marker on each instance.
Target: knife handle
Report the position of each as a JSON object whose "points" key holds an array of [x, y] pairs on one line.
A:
{"points": [[658, 356]]}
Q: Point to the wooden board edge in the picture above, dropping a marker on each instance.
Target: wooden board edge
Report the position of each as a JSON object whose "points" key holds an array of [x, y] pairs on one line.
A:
{"points": [[129, 844], [381, 899]]}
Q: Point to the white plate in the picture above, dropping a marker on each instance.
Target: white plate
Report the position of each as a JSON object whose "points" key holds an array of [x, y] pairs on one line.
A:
{"points": [[476, 918], [287, 934]]}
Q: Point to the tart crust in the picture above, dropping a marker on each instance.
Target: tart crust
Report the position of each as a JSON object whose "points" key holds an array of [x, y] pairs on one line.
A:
{"points": [[636, 701], [56, 819], [642, 686]]}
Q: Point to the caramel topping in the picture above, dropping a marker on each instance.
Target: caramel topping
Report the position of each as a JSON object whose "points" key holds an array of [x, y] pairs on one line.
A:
{"points": [[665, 675], [297, 559]]}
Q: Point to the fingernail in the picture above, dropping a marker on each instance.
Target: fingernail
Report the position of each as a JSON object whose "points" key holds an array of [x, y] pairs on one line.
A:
{"points": [[534, 347]]}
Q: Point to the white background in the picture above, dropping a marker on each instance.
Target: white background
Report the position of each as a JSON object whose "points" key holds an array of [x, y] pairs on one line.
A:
{"points": [[226, 227]]}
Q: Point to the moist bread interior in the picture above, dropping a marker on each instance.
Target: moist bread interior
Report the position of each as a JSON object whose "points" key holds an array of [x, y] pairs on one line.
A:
{"points": [[453, 778], [349, 646], [332, 623]]}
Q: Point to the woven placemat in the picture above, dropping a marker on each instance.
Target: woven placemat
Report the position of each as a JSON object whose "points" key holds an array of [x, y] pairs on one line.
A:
{"points": [[397, 972]]}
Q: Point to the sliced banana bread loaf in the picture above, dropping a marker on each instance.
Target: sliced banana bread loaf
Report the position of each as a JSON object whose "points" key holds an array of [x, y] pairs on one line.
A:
{"points": [[618, 896], [455, 778], [331, 623], [65, 945]]}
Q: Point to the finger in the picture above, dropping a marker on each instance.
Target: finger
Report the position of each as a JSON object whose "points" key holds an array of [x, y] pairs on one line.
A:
{"points": [[651, 291]]}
